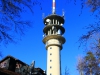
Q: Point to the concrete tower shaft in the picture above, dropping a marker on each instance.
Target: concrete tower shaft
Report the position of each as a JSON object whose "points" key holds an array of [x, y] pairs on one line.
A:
{"points": [[53, 61]]}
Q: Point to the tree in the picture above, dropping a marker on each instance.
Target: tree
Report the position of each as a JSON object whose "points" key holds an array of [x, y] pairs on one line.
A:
{"points": [[80, 65], [89, 65], [11, 23], [66, 71], [10, 14], [94, 5], [92, 35], [92, 58]]}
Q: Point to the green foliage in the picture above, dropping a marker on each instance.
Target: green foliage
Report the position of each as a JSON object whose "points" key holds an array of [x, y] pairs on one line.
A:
{"points": [[91, 64], [92, 59], [90, 56]]}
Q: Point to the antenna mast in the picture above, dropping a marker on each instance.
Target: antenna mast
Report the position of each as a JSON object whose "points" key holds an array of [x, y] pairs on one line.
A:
{"points": [[54, 7]]}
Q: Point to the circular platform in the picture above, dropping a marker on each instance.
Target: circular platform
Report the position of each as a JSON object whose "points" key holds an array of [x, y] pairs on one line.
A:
{"points": [[48, 27], [59, 37], [54, 16]]}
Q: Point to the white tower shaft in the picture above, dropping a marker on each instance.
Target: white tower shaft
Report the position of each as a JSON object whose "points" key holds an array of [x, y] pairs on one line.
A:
{"points": [[53, 58], [54, 7], [53, 61]]}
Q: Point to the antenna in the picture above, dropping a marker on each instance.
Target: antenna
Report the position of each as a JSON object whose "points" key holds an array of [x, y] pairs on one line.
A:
{"points": [[33, 63], [53, 8], [63, 13]]}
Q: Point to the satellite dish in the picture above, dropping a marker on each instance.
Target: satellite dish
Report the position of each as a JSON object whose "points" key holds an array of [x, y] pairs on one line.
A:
{"points": [[47, 20], [61, 24], [53, 27], [43, 35], [59, 31]]}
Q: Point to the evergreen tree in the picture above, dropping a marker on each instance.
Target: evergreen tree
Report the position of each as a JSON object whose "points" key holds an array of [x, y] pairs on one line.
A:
{"points": [[90, 65]]}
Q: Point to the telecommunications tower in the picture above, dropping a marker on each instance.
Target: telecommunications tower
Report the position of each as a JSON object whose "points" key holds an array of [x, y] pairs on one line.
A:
{"points": [[53, 40]]}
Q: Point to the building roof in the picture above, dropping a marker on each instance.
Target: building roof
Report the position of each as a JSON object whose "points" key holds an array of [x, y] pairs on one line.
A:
{"points": [[9, 56]]}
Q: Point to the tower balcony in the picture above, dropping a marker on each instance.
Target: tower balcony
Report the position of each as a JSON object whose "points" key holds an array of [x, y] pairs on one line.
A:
{"points": [[53, 28], [54, 19], [53, 42], [59, 40]]}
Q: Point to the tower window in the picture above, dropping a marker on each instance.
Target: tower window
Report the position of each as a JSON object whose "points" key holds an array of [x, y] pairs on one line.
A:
{"points": [[50, 60], [50, 53], [50, 47], [50, 74], [50, 67]]}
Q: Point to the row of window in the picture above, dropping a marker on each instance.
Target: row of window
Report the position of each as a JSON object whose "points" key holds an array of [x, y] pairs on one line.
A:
{"points": [[50, 60]]}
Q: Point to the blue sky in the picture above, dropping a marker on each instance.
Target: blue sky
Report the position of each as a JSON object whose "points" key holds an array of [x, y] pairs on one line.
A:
{"points": [[31, 46]]}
